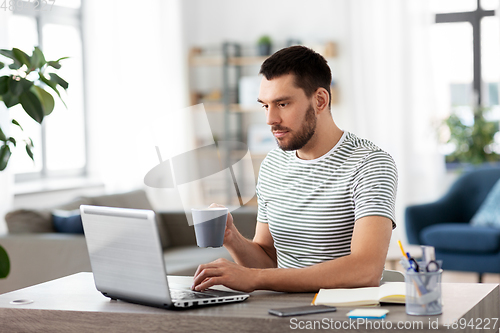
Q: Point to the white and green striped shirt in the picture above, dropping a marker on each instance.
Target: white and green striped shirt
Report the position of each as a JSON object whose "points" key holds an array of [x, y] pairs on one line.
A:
{"points": [[311, 205]]}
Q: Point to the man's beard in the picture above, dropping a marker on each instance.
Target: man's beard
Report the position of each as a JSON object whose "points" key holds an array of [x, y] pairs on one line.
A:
{"points": [[299, 140]]}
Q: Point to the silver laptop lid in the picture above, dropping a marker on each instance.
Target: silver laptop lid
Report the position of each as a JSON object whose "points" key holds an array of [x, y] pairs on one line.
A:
{"points": [[125, 253]]}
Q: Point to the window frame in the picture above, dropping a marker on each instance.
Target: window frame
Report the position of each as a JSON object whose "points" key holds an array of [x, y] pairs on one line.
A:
{"points": [[69, 17]]}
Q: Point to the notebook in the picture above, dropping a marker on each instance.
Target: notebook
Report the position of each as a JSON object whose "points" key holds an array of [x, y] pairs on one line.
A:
{"points": [[127, 260], [389, 292]]}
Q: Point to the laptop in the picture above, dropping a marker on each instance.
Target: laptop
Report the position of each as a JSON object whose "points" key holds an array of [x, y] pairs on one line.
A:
{"points": [[127, 260]]}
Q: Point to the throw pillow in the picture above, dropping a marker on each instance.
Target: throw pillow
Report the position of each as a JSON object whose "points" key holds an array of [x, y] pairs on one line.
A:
{"points": [[22, 221], [38, 221], [69, 222], [489, 212]]}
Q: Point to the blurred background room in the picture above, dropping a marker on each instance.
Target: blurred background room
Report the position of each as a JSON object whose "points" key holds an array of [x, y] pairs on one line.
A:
{"points": [[402, 72]]}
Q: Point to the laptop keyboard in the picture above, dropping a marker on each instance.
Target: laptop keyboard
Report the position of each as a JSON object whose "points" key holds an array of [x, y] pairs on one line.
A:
{"points": [[188, 294]]}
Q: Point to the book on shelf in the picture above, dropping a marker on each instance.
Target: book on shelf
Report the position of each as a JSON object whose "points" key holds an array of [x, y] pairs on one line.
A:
{"points": [[390, 292]]}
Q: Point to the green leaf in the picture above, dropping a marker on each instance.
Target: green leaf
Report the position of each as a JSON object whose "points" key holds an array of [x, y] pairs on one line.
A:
{"points": [[22, 57], [29, 151], [15, 66], [15, 86], [2, 65], [19, 85], [2, 136], [54, 64], [17, 124], [4, 156], [31, 104], [4, 84], [56, 78], [53, 85], [11, 139], [4, 263], [37, 59], [45, 98], [10, 100], [8, 54]]}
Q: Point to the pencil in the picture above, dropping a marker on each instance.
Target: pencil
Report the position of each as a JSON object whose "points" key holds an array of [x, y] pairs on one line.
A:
{"points": [[314, 299], [402, 251]]}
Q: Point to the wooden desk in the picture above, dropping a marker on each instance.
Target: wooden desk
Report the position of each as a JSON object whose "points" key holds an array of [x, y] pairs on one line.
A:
{"points": [[72, 304]]}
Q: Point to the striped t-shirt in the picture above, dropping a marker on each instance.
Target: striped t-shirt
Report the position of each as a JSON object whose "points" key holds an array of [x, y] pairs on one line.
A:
{"points": [[311, 205]]}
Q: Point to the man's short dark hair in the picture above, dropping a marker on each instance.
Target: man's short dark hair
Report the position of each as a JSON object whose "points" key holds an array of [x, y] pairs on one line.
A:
{"points": [[310, 69]]}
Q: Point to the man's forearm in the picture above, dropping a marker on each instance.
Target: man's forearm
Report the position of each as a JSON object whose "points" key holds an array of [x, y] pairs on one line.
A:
{"points": [[345, 272], [248, 253]]}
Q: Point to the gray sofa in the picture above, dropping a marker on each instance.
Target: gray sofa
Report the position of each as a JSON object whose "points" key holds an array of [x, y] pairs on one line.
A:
{"points": [[38, 253]]}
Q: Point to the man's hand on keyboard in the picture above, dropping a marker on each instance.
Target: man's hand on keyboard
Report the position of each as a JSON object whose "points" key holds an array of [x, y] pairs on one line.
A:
{"points": [[224, 272]]}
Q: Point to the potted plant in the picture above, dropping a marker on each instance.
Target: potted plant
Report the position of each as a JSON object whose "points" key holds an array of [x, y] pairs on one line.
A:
{"points": [[473, 143], [264, 45], [26, 82]]}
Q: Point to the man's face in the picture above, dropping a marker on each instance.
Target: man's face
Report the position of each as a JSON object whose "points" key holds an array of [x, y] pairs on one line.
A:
{"points": [[289, 112]]}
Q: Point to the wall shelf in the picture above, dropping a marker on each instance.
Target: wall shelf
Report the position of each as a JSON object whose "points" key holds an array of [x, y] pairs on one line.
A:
{"points": [[220, 94]]}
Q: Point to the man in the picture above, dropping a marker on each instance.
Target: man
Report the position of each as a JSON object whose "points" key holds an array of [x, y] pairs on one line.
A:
{"points": [[326, 197]]}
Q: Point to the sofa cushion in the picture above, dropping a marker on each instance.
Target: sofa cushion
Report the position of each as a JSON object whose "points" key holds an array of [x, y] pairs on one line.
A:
{"points": [[460, 237], [22, 221], [68, 222], [38, 221], [488, 213]]}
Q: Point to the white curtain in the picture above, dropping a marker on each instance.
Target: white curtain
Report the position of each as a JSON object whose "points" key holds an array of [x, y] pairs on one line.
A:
{"points": [[388, 93], [135, 73]]}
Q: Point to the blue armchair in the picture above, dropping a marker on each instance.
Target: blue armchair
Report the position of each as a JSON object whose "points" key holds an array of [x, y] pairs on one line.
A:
{"points": [[444, 224]]}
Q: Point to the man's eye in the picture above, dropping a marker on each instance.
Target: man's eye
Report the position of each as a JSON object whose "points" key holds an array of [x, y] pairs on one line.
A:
{"points": [[282, 105], [264, 106]]}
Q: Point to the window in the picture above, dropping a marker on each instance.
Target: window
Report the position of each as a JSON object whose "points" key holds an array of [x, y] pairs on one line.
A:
{"points": [[60, 146], [466, 49]]}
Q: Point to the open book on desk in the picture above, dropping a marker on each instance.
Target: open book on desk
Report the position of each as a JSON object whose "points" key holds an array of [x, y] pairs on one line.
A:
{"points": [[390, 292]]}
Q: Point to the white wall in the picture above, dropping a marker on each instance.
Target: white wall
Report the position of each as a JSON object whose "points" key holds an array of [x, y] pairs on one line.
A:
{"points": [[210, 22]]}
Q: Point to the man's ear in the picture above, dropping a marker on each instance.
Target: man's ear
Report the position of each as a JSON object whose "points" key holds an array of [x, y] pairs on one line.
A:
{"points": [[321, 99]]}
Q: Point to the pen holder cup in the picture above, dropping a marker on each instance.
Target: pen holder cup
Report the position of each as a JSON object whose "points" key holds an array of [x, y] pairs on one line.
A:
{"points": [[423, 293]]}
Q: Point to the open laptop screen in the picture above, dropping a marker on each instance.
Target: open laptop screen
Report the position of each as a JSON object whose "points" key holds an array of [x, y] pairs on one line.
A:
{"points": [[126, 254]]}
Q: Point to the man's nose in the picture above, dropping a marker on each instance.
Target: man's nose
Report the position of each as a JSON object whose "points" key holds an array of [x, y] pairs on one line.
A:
{"points": [[273, 116]]}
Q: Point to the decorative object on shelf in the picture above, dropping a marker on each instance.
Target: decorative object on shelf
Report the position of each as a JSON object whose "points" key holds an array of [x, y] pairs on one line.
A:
{"points": [[26, 85], [261, 139], [474, 142], [330, 50], [264, 44], [4, 263]]}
